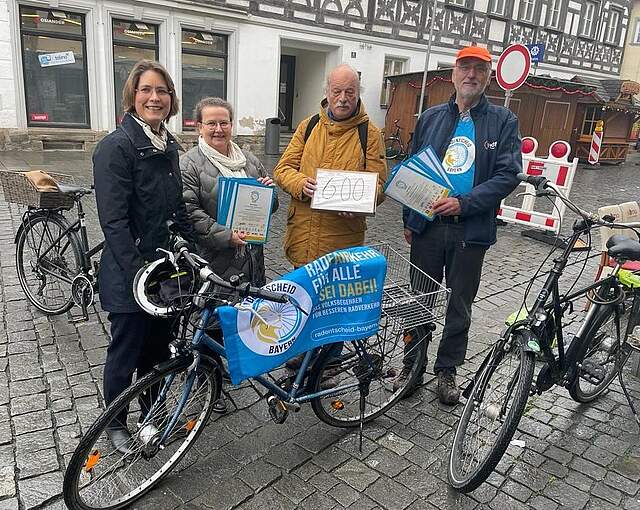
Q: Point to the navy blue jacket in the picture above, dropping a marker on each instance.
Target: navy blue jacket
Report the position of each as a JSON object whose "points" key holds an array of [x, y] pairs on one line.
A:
{"points": [[498, 161], [138, 188]]}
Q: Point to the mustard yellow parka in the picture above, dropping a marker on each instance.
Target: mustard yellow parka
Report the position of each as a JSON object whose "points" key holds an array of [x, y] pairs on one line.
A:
{"points": [[334, 145]]}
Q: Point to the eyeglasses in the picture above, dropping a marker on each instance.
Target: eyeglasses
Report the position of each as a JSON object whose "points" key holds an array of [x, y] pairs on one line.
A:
{"points": [[478, 68], [160, 91], [211, 124]]}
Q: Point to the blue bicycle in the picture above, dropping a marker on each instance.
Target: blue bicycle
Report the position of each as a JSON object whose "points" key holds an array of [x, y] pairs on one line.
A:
{"points": [[347, 384]]}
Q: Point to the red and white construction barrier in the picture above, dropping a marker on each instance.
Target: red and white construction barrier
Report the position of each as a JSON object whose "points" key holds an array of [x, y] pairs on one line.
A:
{"points": [[596, 143], [557, 169]]}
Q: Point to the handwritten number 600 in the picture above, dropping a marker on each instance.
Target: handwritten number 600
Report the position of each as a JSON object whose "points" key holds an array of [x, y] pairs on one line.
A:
{"points": [[349, 190]]}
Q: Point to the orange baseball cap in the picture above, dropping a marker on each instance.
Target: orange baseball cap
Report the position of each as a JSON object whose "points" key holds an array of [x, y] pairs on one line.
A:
{"points": [[474, 51]]}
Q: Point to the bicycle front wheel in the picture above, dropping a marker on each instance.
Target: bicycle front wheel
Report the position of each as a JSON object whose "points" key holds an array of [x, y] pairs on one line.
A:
{"points": [[491, 415], [101, 476], [603, 359], [47, 262], [379, 365], [393, 148]]}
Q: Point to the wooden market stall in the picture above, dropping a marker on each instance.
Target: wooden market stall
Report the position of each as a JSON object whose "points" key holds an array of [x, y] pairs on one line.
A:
{"points": [[548, 109]]}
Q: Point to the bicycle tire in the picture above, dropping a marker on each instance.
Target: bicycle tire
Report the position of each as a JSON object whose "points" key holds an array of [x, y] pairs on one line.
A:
{"points": [[209, 379], [53, 295], [602, 342], [480, 405], [393, 148], [386, 353]]}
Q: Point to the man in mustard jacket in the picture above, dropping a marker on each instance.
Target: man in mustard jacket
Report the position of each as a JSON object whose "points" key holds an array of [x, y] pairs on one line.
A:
{"points": [[341, 137]]}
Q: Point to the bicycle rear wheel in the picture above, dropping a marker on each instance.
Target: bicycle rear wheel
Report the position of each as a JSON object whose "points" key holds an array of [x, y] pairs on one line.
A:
{"points": [[99, 476], [47, 265], [491, 415], [393, 148], [603, 359], [380, 363]]}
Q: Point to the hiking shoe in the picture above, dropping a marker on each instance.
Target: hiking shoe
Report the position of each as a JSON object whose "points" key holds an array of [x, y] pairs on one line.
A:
{"points": [[403, 378], [448, 392]]}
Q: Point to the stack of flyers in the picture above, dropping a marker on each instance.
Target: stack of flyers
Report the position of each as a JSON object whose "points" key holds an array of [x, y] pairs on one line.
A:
{"points": [[245, 204], [419, 181]]}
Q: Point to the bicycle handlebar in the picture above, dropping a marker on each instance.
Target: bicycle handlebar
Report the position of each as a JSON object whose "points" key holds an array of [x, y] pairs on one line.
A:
{"points": [[181, 248], [543, 186]]}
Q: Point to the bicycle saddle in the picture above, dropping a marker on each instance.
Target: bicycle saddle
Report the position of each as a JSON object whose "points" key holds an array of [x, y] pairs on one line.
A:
{"points": [[621, 247], [71, 189]]}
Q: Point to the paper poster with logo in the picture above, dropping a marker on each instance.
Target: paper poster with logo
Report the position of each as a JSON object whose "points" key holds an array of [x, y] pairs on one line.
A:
{"points": [[260, 335], [56, 59]]}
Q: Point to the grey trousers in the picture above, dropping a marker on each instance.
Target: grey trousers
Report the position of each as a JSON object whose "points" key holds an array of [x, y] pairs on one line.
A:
{"points": [[441, 251]]}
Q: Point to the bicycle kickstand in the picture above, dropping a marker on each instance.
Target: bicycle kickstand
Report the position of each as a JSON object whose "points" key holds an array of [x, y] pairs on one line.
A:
{"points": [[628, 397], [364, 391]]}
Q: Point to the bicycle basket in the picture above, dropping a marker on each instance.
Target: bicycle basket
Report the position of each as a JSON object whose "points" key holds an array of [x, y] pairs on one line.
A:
{"points": [[410, 297], [18, 189]]}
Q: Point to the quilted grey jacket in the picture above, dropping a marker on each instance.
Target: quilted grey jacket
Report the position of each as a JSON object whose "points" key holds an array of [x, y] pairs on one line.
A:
{"points": [[200, 193]]}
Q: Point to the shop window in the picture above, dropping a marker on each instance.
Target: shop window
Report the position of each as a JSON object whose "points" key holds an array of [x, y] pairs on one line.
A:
{"points": [[591, 116], [636, 33], [132, 41], [204, 70], [55, 69], [392, 66]]}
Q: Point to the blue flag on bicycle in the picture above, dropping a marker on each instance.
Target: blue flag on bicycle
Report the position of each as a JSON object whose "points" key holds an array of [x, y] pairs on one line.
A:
{"points": [[338, 299]]}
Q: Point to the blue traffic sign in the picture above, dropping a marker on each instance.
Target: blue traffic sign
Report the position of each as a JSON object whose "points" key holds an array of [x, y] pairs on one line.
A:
{"points": [[537, 52]]}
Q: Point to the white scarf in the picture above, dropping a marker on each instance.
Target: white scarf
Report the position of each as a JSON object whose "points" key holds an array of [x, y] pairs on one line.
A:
{"points": [[229, 166], [159, 141]]}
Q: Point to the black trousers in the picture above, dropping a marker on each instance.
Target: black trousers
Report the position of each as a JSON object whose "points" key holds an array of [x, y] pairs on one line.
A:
{"points": [[138, 342], [441, 251]]}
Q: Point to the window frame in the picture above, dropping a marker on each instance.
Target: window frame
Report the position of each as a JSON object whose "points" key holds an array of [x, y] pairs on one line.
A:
{"points": [[596, 115], [143, 45], [199, 52], [492, 11], [636, 32], [615, 38], [534, 10], [560, 10], [592, 21], [82, 38], [384, 92]]}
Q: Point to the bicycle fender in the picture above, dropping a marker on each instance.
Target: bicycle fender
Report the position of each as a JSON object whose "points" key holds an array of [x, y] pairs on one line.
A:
{"points": [[22, 223], [528, 341]]}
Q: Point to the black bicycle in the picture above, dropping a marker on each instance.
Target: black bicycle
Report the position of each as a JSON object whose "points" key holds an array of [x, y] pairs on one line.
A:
{"points": [[585, 364], [394, 148], [53, 257]]}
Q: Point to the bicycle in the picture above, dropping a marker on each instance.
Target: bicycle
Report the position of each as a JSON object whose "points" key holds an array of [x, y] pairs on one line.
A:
{"points": [[53, 258], [585, 364], [393, 145], [347, 383]]}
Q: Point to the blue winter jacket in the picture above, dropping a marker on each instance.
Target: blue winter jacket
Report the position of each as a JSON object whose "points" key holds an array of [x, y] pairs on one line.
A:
{"points": [[498, 161]]}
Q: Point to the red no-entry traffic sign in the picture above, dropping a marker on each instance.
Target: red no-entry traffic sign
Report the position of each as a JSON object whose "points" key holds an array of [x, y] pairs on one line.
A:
{"points": [[513, 67]]}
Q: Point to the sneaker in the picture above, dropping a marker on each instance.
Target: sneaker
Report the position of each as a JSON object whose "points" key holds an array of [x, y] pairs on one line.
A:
{"points": [[448, 392], [120, 439]]}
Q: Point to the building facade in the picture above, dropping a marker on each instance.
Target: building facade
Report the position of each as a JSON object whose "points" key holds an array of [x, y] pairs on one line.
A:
{"points": [[63, 62]]}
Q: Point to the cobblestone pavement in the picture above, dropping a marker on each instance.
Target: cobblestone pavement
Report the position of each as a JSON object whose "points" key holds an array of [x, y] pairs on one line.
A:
{"points": [[575, 456]]}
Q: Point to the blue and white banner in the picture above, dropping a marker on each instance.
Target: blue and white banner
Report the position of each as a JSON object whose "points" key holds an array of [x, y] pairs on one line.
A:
{"points": [[340, 294]]}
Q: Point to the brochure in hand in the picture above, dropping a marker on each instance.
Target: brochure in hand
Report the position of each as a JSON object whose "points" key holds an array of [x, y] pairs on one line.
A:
{"points": [[245, 204], [419, 181]]}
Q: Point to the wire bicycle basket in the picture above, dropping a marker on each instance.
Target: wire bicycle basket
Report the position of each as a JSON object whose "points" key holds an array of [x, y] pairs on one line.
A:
{"points": [[410, 297]]}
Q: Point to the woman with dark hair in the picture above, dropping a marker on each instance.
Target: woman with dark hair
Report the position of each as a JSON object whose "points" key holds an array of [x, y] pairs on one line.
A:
{"points": [[138, 191], [216, 154]]}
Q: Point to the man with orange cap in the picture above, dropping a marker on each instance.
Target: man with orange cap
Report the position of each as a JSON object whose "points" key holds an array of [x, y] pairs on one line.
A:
{"points": [[479, 145]]}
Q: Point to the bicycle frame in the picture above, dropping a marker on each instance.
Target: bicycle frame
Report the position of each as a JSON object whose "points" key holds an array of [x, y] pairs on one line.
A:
{"points": [[77, 226]]}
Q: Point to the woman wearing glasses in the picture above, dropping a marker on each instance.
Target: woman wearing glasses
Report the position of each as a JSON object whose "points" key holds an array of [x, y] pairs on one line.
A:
{"points": [[217, 155], [138, 189]]}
